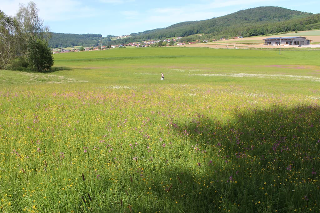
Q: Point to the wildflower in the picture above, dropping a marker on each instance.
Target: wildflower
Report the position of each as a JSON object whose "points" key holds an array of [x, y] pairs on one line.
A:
{"points": [[289, 168]]}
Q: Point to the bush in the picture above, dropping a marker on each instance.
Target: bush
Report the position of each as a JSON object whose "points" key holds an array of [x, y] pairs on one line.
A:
{"points": [[19, 63], [39, 56]]}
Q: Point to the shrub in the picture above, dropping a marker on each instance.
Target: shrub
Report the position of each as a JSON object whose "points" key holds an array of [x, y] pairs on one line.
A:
{"points": [[19, 63], [39, 56]]}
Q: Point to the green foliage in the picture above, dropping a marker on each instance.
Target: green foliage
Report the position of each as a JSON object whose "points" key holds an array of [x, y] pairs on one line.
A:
{"points": [[10, 39], [17, 38], [18, 63], [39, 56], [160, 43], [70, 40]]}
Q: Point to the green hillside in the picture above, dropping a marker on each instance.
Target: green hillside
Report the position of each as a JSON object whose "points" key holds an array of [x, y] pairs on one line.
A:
{"points": [[250, 22], [69, 40], [261, 15]]}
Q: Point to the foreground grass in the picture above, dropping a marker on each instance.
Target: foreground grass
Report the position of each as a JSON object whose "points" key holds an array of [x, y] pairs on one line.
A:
{"points": [[112, 137]]}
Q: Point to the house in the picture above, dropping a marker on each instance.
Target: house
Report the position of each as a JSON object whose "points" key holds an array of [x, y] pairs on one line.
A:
{"points": [[287, 41]]}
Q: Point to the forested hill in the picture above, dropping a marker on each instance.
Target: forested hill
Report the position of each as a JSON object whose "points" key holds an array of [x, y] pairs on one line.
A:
{"points": [[249, 22], [70, 40]]}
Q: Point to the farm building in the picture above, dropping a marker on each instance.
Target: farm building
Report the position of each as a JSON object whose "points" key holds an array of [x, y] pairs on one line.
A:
{"points": [[287, 41]]}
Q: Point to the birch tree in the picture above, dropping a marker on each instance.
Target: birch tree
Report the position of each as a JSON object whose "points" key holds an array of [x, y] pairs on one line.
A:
{"points": [[10, 38], [24, 40]]}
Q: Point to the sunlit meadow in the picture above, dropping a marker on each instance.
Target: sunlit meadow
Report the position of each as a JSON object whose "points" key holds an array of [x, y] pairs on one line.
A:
{"points": [[226, 131]]}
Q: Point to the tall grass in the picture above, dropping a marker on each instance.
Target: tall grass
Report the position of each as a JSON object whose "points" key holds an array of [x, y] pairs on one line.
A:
{"points": [[106, 135]]}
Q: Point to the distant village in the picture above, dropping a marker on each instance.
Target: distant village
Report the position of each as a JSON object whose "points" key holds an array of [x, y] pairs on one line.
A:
{"points": [[285, 41], [149, 43]]}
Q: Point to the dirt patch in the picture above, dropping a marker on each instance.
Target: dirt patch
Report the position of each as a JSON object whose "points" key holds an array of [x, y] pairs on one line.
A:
{"points": [[296, 67]]}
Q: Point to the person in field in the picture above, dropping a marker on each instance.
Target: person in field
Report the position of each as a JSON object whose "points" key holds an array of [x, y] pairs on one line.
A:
{"points": [[162, 76]]}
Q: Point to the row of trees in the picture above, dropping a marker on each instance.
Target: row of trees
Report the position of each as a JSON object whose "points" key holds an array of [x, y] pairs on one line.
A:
{"points": [[24, 41], [59, 40], [70, 40]]}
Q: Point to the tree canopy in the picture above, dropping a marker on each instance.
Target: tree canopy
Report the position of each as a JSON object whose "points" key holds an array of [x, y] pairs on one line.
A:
{"points": [[23, 39]]}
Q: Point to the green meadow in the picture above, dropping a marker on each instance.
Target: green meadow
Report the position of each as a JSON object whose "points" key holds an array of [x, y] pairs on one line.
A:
{"points": [[303, 33], [225, 131]]}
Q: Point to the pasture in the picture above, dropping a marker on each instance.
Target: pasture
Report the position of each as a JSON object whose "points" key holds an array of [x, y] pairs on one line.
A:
{"points": [[258, 42], [226, 131]]}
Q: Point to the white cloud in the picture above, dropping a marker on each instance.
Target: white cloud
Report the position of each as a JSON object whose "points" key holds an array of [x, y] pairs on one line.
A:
{"points": [[57, 10], [10, 7], [169, 10], [200, 11], [116, 1], [230, 3], [130, 14]]}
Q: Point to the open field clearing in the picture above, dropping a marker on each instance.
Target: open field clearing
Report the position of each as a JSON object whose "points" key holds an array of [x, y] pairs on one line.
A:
{"points": [[303, 33], [258, 42], [226, 131]]}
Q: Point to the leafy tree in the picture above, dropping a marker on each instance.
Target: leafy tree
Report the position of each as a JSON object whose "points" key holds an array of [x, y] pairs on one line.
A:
{"points": [[10, 37], [30, 23], [39, 55], [23, 40]]}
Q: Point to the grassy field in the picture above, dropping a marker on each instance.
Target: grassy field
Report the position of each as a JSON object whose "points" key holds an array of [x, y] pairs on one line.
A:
{"points": [[226, 131], [258, 41], [303, 33]]}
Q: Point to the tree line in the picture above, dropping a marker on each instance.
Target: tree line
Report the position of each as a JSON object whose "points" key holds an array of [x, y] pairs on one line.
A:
{"points": [[61, 40], [70, 40], [24, 41]]}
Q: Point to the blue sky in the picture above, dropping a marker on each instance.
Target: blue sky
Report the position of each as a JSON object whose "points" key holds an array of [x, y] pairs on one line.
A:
{"points": [[122, 17]]}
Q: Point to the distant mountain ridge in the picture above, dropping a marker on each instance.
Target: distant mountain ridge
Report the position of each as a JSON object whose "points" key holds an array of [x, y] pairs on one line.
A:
{"points": [[215, 26], [250, 22]]}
